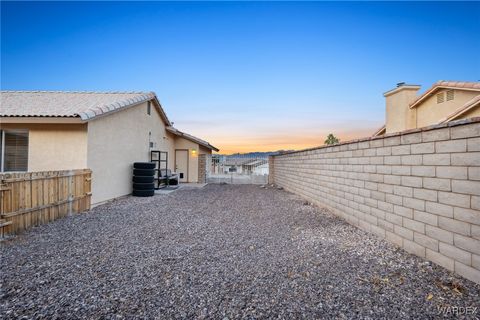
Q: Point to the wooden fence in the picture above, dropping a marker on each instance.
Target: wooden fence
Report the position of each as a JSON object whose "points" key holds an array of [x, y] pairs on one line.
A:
{"points": [[32, 198]]}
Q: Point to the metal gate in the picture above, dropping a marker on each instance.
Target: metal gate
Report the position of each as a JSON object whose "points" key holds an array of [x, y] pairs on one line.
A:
{"points": [[237, 169]]}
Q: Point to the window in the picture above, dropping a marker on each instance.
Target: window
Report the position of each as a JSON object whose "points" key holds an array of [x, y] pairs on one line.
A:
{"points": [[14, 150], [149, 107], [450, 95], [440, 97]]}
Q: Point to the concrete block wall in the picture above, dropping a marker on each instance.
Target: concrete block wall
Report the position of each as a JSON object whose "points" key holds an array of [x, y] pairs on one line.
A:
{"points": [[202, 168], [271, 169], [419, 189]]}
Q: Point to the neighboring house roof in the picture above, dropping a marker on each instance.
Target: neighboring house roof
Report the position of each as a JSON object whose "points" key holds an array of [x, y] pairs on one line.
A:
{"points": [[191, 138], [235, 162], [244, 162], [470, 86], [84, 104], [459, 85], [256, 162], [469, 105]]}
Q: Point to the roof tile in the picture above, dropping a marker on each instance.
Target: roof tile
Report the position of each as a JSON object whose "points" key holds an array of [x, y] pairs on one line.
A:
{"points": [[83, 104]]}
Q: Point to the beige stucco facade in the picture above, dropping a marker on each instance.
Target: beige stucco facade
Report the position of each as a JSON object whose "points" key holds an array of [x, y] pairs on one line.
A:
{"points": [[54, 146], [470, 114], [108, 145], [116, 141], [405, 109], [398, 116], [430, 112], [192, 148]]}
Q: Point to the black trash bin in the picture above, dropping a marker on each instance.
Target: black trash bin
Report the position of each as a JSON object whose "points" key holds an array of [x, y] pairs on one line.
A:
{"points": [[143, 179]]}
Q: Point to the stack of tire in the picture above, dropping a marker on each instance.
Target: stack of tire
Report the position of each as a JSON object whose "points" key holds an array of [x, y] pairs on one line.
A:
{"points": [[143, 179]]}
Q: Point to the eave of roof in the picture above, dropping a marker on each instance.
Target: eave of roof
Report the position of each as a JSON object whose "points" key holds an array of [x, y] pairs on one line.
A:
{"points": [[108, 108], [468, 106], [160, 109], [380, 131], [105, 110], [468, 86], [191, 138], [49, 120]]}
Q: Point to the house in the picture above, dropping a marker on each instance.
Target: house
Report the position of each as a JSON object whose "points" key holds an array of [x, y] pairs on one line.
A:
{"points": [[103, 131], [233, 165], [257, 166], [241, 165], [443, 102]]}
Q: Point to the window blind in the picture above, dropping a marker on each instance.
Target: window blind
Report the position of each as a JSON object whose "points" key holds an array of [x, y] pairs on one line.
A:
{"points": [[15, 151]]}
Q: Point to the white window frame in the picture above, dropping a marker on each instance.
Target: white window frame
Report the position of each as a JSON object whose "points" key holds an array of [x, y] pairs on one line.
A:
{"points": [[2, 149]]}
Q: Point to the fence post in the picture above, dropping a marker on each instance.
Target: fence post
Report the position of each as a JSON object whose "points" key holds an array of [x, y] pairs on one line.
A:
{"points": [[70, 195], [271, 169]]}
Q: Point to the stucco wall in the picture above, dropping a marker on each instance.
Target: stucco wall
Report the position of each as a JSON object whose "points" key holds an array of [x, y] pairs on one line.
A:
{"points": [[118, 140], [55, 146], [471, 114], [430, 112], [181, 143], [419, 190], [108, 146], [398, 115], [204, 150]]}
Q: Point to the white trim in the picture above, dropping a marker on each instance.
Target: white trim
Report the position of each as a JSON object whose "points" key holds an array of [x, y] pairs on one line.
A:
{"points": [[2, 165]]}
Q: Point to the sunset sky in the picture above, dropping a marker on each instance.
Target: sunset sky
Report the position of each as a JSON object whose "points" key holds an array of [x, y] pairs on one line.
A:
{"points": [[245, 76]]}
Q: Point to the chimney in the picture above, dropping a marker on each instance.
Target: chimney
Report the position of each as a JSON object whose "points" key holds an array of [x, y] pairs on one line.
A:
{"points": [[398, 115]]}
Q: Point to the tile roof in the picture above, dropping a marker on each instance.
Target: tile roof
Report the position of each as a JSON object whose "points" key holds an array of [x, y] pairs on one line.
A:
{"points": [[187, 136], [83, 104], [471, 86]]}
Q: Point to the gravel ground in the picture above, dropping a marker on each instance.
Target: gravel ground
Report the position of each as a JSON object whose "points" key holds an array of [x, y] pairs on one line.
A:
{"points": [[223, 252]]}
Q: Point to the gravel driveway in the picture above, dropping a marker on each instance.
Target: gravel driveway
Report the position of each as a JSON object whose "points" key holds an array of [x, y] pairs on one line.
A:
{"points": [[218, 252]]}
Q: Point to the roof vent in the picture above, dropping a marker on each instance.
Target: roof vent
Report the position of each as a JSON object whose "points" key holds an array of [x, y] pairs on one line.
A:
{"points": [[400, 84], [450, 95], [440, 97]]}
